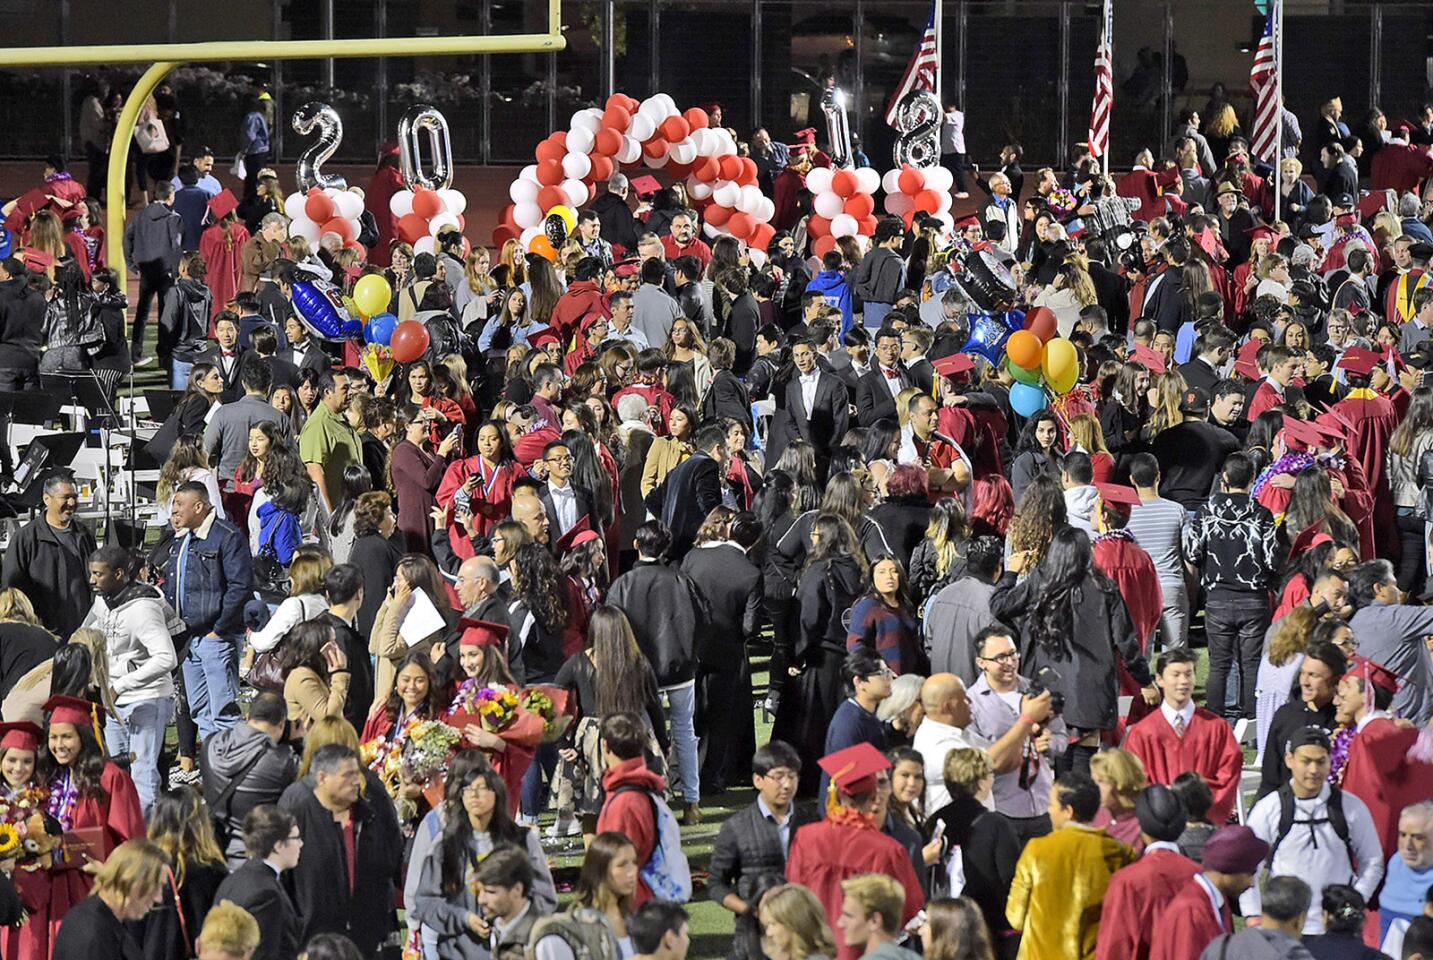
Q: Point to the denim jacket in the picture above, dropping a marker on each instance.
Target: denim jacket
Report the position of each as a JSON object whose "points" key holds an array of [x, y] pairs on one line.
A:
{"points": [[209, 577]]}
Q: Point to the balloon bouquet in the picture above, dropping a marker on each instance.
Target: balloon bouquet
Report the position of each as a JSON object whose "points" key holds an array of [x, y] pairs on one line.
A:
{"points": [[1026, 344], [429, 205], [386, 340]]}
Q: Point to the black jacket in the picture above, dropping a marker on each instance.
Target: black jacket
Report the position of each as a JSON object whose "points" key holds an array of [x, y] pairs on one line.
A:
{"points": [[22, 322], [742, 322], [658, 601], [826, 591], [160, 933], [52, 569], [989, 851], [360, 665], [1233, 542], [376, 557], [874, 400], [788, 554], [619, 226], [226, 754], [825, 424], [903, 523], [586, 507], [255, 887], [748, 859], [1199, 374], [685, 497], [731, 588], [320, 883], [91, 931], [313, 359], [879, 276], [727, 397], [22, 649]]}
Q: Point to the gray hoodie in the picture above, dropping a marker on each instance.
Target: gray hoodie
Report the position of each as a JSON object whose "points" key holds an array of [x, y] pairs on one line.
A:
{"points": [[139, 628], [227, 753], [1256, 943], [155, 234]]}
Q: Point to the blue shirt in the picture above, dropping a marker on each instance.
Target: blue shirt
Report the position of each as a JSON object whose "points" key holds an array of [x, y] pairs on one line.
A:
{"points": [[851, 724], [783, 827], [255, 134]]}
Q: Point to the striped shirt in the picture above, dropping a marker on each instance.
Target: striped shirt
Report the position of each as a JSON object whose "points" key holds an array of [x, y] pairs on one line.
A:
{"points": [[1157, 526]]}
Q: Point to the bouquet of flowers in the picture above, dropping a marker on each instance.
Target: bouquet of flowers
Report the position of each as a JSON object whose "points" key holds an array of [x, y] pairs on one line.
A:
{"points": [[15, 812], [415, 753], [428, 748], [548, 703], [494, 705]]}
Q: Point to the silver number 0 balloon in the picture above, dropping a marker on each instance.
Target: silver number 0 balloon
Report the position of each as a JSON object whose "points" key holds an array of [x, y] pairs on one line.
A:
{"points": [[918, 118], [838, 127], [424, 119], [308, 171]]}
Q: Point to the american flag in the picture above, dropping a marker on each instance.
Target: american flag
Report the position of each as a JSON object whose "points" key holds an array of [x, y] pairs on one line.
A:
{"points": [[920, 72], [1264, 88], [1104, 101]]}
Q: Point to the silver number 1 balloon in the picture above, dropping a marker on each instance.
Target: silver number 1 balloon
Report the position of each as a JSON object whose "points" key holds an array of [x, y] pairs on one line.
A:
{"points": [[424, 119], [838, 127], [309, 171]]}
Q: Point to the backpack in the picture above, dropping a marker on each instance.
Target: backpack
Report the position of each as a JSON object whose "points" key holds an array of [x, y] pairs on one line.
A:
{"points": [[582, 930], [444, 337], [666, 872], [1336, 818]]}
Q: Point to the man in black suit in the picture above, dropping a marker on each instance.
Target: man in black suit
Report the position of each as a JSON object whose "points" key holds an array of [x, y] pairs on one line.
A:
{"points": [[226, 355], [275, 292], [876, 391], [749, 856], [252, 319], [343, 584], [304, 350], [566, 503], [272, 838], [1212, 350], [265, 343], [915, 347], [817, 404], [692, 490]]}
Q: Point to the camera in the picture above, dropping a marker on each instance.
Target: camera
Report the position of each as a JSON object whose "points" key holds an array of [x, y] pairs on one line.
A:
{"points": [[1044, 678]]}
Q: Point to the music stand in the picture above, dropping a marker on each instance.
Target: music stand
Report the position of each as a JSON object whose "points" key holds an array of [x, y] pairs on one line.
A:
{"points": [[43, 457], [161, 403], [39, 408]]}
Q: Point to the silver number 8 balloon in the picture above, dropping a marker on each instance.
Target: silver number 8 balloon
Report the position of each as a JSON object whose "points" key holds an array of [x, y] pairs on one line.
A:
{"points": [[838, 127], [425, 119], [918, 118], [309, 172]]}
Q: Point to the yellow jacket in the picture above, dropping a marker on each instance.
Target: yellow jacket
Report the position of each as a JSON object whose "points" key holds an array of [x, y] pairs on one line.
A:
{"points": [[1059, 887]]}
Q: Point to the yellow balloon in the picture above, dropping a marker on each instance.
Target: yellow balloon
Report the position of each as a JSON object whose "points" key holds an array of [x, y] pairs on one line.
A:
{"points": [[371, 295], [568, 215], [1061, 365]]}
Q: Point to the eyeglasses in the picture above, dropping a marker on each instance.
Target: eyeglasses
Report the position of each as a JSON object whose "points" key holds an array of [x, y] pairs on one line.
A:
{"points": [[565, 458], [782, 776], [1009, 656]]}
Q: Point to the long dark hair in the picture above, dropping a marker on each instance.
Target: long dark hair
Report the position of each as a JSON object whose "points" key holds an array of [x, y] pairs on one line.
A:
{"points": [[1027, 439], [597, 865], [357, 481], [457, 840], [72, 290], [903, 591], [1312, 500], [72, 670], [394, 704], [836, 540], [587, 469], [285, 480], [303, 646], [876, 445], [541, 585], [86, 769], [625, 682], [1066, 567]]}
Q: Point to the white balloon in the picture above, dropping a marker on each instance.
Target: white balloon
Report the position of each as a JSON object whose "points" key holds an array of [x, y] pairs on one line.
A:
{"points": [[528, 172], [580, 141], [945, 199], [683, 151], [705, 142], [654, 163], [727, 195], [828, 204], [454, 201], [630, 151], [653, 109], [441, 222], [302, 226], [758, 257], [728, 145], [295, 201], [426, 245], [844, 225], [868, 178], [698, 190], [527, 215], [527, 236], [891, 181], [582, 120], [668, 103], [819, 179], [947, 222], [938, 178], [576, 165], [400, 204], [642, 128], [750, 200], [711, 231], [576, 192], [523, 191], [350, 205], [767, 211], [899, 204]]}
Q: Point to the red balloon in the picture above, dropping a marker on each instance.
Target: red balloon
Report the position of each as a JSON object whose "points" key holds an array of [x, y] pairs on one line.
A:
{"points": [[740, 225], [844, 183], [818, 226], [410, 341], [706, 169], [608, 142], [1041, 322], [426, 203], [868, 226], [616, 100], [602, 167], [549, 197], [730, 166], [549, 173], [718, 215], [340, 226], [559, 137], [822, 245], [748, 172], [696, 118], [859, 206], [675, 128], [412, 228], [503, 233], [927, 201], [462, 225], [656, 147], [550, 150], [616, 119], [761, 235], [319, 206], [505, 216], [911, 181]]}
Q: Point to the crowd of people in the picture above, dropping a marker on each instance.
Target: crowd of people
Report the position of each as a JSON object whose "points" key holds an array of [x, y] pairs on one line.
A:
{"points": [[400, 633]]}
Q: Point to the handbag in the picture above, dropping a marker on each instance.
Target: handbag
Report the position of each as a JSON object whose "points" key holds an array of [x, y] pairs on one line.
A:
{"points": [[270, 577], [238, 169], [151, 136]]}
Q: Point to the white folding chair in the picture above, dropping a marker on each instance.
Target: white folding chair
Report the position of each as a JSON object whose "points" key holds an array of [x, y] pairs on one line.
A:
{"points": [[1250, 775]]}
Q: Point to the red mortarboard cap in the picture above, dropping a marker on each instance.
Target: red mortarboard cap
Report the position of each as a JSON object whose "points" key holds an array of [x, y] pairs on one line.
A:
{"points": [[954, 364], [223, 204], [853, 770], [1262, 232], [481, 633], [1373, 674], [1358, 361], [1151, 359], [805, 138], [574, 536], [1373, 204], [1308, 538], [592, 319], [645, 186], [20, 735], [389, 149], [63, 709], [1246, 361], [1234, 849], [37, 260], [543, 337], [630, 267], [1346, 219], [1334, 420], [1118, 494], [970, 221], [1306, 435]]}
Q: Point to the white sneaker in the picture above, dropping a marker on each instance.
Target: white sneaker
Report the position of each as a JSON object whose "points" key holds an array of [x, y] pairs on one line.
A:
{"points": [[526, 821], [148, 361]]}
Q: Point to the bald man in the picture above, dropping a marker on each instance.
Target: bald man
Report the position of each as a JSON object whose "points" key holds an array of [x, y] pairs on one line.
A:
{"points": [[947, 715], [528, 510]]}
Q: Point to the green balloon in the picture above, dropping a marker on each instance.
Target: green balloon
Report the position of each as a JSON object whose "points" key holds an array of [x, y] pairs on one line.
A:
{"points": [[1262, 6], [1022, 375]]}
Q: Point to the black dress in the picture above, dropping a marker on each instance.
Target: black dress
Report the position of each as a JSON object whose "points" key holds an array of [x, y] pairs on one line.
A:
{"points": [[167, 934]]}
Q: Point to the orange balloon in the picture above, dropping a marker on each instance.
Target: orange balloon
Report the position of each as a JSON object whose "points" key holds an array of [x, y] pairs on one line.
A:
{"points": [[1024, 350], [543, 247]]}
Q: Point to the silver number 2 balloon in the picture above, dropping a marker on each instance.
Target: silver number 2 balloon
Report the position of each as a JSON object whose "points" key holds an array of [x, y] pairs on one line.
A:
{"points": [[918, 118], [838, 127], [309, 172], [424, 119]]}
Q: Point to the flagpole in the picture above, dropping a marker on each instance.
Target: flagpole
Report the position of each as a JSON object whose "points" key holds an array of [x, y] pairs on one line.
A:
{"points": [[1109, 12], [1277, 11], [939, 21]]}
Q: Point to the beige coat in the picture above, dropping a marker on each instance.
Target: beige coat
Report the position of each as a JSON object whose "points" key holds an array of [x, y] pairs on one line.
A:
{"points": [[310, 697]]}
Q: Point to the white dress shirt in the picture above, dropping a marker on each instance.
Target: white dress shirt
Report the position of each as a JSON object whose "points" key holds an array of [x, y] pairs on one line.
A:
{"points": [[564, 500], [808, 389]]}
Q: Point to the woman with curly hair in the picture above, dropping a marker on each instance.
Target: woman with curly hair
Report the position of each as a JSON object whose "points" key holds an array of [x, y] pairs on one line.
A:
{"points": [[794, 925], [1073, 621], [1037, 452], [939, 558], [1040, 514], [280, 512], [187, 462], [1126, 410]]}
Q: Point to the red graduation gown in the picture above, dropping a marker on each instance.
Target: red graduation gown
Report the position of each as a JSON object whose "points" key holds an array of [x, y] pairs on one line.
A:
{"points": [[1135, 902], [1264, 398], [1208, 746], [1188, 925], [222, 257], [1374, 420], [1125, 562], [491, 499], [1379, 773], [825, 853]]}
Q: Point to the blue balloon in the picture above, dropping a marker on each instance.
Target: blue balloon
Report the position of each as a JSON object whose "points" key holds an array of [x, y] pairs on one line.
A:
{"points": [[318, 306], [987, 337], [1013, 320], [1027, 400], [380, 328]]}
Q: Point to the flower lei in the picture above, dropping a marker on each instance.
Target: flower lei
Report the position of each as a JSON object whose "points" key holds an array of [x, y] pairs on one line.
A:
{"points": [[1121, 534], [63, 799], [1294, 463], [1339, 745]]}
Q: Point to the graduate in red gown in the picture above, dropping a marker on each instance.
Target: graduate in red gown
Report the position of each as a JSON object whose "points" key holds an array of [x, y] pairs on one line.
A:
{"points": [[21, 790], [975, 429], [484, 482], [378, 199], [220, 244], [1200, 912], [1179, 737], [1138, 893], [1260, 239], [95, 803], [591, 331], [1372, 420], [848, 841], [1277, 365], [1124, 561]]}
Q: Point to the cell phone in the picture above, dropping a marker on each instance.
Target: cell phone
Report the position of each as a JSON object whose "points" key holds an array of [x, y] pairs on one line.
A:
{"points": [[456, 432], [939, 830]]}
